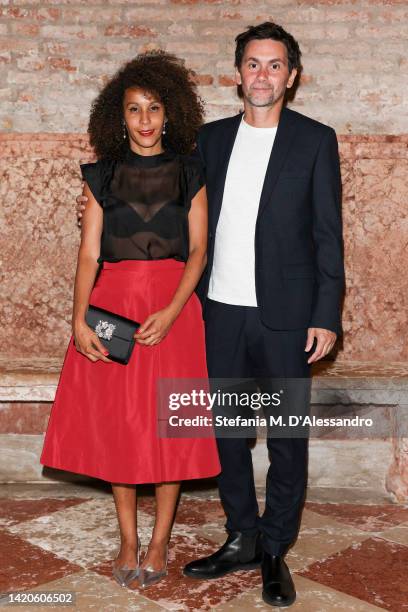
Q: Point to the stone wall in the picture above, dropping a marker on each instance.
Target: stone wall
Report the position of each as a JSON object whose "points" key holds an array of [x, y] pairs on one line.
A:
{"points": [[39, 176], [55, 56]]}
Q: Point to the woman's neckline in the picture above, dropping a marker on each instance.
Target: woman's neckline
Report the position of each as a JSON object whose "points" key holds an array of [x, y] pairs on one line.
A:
{"points": [[147, 160]]}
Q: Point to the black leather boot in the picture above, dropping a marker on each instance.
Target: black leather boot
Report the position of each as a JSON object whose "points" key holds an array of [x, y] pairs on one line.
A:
{"points": [[239, 552], [278, 587]]}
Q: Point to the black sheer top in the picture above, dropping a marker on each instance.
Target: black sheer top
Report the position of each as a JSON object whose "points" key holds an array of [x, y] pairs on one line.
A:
{"points": [[145, 201]]}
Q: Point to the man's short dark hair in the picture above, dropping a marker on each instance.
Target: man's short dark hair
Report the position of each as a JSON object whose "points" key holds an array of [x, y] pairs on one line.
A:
{"points": [[266, 30]]}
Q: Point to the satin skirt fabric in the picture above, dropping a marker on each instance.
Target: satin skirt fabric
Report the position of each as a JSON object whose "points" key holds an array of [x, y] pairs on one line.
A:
{"points": [[103, 422]]}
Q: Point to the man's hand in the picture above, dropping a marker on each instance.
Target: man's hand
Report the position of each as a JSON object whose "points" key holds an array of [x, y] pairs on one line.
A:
{"points": [[325, 342], [80, 206]]}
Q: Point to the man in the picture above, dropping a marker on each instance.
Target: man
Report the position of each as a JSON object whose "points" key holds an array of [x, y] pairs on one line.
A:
{"points": [[272, 288]]}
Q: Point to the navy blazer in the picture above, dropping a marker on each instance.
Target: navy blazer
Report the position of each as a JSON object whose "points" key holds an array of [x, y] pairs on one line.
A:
{"points": [[299, 270]]}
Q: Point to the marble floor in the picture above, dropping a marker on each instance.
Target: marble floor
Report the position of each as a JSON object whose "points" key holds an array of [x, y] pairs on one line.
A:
{"points": [[351, 554]]}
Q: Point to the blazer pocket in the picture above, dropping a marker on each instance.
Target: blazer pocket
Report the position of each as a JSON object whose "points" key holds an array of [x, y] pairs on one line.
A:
{"points": [[299, 271]]}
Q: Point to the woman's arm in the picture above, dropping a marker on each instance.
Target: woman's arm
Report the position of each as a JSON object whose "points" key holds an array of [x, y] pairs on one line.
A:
{"points": [[86, 341], [197, 257], [158, 324]]}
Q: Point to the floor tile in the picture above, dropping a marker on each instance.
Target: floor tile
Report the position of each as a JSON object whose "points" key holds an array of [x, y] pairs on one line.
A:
{"points": [[349, 556], [205, 518], [201, 512], [192, 510], [177, 592], [396, 534], [83, 534], [311, 597], [94, 592], [214, 532], [88, 533], [374, 570], [319, 538], [363, 516], [200, 489], [24, 565], [14, 511]]}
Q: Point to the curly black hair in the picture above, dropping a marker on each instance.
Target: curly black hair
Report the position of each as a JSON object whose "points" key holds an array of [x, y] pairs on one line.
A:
{"points": [[162, 75], [271, 30]]}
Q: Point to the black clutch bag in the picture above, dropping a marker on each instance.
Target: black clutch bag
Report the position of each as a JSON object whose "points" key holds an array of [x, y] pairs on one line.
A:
{"points": [[114, 331]]}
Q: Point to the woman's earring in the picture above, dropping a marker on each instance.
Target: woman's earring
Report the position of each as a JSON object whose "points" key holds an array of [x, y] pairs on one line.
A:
{"points": [[164, 127], [124, 131]]}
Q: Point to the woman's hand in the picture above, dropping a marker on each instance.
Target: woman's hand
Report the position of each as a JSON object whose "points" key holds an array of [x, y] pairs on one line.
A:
{"points": [[88, 343], [155, 327]]}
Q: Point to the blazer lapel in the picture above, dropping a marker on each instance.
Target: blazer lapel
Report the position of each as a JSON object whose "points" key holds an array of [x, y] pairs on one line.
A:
{"points": [[224, 154], [284, 137]]}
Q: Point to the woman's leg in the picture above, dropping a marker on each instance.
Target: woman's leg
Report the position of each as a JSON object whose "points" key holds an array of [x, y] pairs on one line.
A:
{"points": [[126, 510], [166, 500]]}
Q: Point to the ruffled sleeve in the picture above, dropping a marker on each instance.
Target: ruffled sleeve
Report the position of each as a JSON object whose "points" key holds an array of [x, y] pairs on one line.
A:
{"points": [[194, 177], [91, 173]]}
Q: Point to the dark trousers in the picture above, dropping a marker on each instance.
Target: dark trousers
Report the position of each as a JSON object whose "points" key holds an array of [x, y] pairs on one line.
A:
{"points": [[240, 346]]}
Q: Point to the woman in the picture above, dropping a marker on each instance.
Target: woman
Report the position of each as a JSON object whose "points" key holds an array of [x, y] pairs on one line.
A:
{"points": [[146, 224]]}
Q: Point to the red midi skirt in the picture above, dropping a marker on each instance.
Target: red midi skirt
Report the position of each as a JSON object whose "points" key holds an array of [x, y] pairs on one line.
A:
{"points": [[103, 422]]}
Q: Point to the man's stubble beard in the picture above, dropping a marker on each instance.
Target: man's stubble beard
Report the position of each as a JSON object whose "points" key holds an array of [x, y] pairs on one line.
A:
{"points": [[271, 101]]}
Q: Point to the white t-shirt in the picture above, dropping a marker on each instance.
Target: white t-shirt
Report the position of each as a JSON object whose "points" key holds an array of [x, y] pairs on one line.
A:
{"points": [[232, 279]]}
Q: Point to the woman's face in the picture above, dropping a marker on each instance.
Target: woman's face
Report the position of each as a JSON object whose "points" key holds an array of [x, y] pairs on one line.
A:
{"points": [[144, 117]]}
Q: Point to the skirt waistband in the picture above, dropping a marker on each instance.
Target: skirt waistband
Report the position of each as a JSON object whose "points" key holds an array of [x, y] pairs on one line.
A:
{"points": [[145, 265]]}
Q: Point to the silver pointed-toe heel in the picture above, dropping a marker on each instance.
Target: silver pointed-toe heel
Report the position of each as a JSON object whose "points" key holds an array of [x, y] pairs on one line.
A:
{"points": [[124, 575], [149, 576], [121, 574]]}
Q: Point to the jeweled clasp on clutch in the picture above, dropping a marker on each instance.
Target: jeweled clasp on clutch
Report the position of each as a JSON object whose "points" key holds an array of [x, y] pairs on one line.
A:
{"points": [[105, 330]]}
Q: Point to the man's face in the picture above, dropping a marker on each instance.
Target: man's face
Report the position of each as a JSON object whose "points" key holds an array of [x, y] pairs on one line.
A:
{"points": [[264, 74]]}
